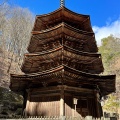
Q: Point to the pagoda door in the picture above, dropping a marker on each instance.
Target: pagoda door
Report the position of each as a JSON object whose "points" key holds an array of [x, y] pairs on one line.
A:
{"points": [[82, 107]]}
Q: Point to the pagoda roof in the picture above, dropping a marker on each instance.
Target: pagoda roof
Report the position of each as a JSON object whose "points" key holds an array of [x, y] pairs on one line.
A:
{"points": [[65, 31], [80, 60], [60, 15], [65, 75]]}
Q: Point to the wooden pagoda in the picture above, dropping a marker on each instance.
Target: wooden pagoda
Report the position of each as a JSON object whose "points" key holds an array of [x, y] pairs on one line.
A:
{"points": [[62, 69]]}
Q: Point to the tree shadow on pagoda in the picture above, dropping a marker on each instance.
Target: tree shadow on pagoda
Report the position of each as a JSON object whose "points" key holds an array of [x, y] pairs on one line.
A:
{"points": [[50, 106], [43, 106]]}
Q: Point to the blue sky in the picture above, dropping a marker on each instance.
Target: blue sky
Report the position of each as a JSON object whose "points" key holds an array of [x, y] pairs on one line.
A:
{"points": [[104, 14]]}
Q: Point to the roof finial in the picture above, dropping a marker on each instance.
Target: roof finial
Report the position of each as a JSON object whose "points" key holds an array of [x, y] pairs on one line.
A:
{"points": [[62, 3]]}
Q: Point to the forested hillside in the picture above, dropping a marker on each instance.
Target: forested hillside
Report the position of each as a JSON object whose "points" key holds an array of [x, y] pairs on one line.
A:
{"points": [[110, 50], [15, 27]]}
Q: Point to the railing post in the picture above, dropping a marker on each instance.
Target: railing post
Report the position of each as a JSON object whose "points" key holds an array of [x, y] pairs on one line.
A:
{"points": [[88, 118], [62, 118], [62, 104]]}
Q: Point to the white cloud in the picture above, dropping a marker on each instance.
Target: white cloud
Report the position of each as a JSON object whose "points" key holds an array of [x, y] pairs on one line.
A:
{"points": [[105, 31]]}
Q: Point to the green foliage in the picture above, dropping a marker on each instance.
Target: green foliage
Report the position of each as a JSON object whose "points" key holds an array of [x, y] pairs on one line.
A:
{"points": [[109, 50], [111, 104], [6, 95], [11, 103], [19, 111]]}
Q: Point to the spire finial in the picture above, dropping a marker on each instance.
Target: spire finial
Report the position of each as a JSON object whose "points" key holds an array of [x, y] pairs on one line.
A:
{"points": [[62, 3]]}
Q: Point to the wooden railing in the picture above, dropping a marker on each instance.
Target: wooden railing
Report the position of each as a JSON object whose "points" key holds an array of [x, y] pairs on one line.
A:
{"points": [[58, 118]]}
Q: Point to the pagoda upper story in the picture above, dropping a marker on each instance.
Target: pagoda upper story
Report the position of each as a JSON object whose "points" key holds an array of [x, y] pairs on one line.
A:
{"points": [[62, 38], [66, 24]]}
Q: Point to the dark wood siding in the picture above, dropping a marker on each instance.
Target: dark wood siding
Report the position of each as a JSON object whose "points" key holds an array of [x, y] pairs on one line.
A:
{"points": [[68, 105]]}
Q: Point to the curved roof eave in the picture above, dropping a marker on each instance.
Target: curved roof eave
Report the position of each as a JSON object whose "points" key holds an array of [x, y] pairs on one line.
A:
{"points": [[69, 49], [66, 48], [60, 9], [46, 18], [90, 78], [59, 68], [55, 30], [63, 24]]}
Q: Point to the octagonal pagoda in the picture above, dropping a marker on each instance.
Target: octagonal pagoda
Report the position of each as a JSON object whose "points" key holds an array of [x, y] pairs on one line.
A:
{"points": [[63, 65]]}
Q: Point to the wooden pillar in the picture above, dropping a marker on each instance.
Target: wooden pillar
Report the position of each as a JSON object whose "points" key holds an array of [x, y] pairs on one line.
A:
{"points": [[62, 104], [73, 111], [96, 103], [24, 102], [27, 103]]}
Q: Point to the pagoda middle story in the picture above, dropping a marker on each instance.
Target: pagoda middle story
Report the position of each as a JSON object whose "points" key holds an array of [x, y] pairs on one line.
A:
{"points": [[62, 69]]}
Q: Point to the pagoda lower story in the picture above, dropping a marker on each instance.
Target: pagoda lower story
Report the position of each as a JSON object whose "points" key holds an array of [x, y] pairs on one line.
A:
{"points": [[63, 101]]}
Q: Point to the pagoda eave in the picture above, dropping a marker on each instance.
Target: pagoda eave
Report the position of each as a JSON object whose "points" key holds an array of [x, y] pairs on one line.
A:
{"points": [[63, 24], [62, 54], [64, 47], [62, 14], [55, 34], [64, 9], [65, 75]]}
